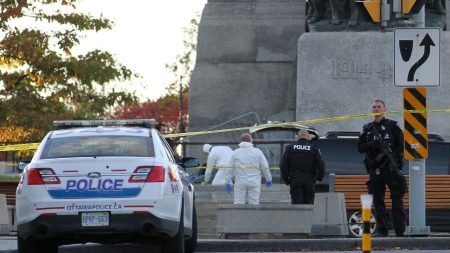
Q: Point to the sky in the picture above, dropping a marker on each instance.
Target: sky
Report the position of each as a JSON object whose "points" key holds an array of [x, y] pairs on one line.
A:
{"points": [[147, 34]]}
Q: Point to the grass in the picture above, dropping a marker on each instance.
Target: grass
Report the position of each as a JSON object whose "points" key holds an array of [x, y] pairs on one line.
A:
{"points": [[4, 178]]}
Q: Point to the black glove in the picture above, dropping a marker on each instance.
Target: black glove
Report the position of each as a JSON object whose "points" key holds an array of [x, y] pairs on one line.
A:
{"points": [[400, 165], [286, 181]]}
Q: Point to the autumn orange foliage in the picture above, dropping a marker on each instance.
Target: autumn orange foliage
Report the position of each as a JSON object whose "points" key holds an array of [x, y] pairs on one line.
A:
{"points": [[165, 110]]}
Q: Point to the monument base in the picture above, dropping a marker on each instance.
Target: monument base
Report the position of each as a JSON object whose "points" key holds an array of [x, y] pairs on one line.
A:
{"points": [[417, 231]]}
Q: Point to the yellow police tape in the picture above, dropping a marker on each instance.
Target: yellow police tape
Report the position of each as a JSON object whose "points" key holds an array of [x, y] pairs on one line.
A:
{"points": [[8, 164], [33, 146], [304, 122], [17, 147]]}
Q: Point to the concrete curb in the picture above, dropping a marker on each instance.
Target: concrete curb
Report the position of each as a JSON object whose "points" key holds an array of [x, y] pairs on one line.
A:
{"points": [[276, 245], [325, 244]]}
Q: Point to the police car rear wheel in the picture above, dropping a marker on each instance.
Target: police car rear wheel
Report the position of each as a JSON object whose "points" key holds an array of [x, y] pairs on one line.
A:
{"points": [[176, 243], [191, 243], [30, 246]]}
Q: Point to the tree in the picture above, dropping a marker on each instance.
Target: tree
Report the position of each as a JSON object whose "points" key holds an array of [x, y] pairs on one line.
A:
{"points": [[20, 134], [171, 108], [165, 110], [40, 79], [182, 69]]}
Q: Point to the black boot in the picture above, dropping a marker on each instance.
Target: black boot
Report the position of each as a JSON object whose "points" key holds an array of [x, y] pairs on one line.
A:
{"points": [[382, 232]]}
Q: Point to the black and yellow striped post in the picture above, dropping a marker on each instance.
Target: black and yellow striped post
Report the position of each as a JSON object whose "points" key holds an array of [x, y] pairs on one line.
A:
{"points": [[416, 151], [416, 133], [366, 201]]}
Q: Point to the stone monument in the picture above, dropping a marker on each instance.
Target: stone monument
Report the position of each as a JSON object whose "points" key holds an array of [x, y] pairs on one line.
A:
{"points": [[262, 58], [246, 65]]}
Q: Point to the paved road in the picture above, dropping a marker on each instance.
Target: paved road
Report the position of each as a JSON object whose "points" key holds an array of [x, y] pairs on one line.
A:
{"points": [[8, 244]]}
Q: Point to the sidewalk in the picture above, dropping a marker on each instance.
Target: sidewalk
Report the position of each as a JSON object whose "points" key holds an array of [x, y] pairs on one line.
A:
{"points": [[8, 244]]}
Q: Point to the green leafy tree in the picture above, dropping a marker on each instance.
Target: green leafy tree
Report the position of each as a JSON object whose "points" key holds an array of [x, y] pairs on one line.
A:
{"points": [[40, 78]]}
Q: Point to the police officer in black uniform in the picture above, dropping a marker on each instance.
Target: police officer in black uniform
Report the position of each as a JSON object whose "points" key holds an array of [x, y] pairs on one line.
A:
{"points": [[301, 167], [382, 143]]}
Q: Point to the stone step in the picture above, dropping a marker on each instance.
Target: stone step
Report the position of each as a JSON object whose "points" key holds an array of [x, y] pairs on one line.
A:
{"points": [[206, 212], [263, 195], [207, 207], [210, 226], [213, 203], [207, 203], [218, 188], [207, 222], [206, 230], [207, 226], [207, 216], [207, 233], [226, 196], [208, 236], [222, 196], [206, 193]]}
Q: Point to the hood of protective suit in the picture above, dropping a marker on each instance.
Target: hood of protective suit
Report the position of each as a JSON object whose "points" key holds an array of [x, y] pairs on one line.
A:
{"points": [[245, 144], [206, 147]]}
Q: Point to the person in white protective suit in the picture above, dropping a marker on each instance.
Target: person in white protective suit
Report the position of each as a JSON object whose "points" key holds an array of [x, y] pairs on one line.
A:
{"points": [[219, 158], [247, 164]]}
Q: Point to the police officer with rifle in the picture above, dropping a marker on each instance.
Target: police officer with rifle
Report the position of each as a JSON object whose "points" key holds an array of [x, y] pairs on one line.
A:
{"points": [[381, 141]]}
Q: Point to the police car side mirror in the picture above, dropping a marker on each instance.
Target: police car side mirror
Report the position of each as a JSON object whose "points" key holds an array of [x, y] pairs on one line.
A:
{"points": [[313, 137], [189, 162], [21, 165]]}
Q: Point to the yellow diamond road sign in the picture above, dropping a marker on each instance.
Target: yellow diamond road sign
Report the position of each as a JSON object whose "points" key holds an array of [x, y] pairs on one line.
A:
{"points": [[416, 133]]}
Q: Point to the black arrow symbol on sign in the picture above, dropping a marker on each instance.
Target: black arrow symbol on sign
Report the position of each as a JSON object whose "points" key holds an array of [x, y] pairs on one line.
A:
{"points": [[427, 42]]}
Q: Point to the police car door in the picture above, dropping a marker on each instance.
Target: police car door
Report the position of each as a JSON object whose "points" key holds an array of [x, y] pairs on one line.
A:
{"points": [[187, 187]]}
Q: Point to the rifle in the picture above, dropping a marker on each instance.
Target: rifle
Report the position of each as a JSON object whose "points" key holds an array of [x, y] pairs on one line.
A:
{"points": [[386, 151]]}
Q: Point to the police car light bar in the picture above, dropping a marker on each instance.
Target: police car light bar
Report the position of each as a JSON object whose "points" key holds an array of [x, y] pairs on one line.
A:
{"points": [[66, 124]]}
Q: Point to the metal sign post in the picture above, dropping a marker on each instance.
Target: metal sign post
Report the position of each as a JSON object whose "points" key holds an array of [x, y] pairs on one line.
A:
{"points": [[416, 63]]}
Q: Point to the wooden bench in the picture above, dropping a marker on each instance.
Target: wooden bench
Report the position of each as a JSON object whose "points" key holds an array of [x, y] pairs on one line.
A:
{"points": [[8, 187], [437, 191]]}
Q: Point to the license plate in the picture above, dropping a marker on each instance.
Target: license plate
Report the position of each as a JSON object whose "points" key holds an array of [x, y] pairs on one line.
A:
{"points": [[96, 219]]}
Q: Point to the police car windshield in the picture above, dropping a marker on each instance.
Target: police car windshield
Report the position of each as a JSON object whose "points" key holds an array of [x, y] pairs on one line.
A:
{"points": [[90, 146]]}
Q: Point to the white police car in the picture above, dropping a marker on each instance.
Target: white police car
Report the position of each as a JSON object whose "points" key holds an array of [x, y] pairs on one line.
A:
{"points": [[107, 184]]}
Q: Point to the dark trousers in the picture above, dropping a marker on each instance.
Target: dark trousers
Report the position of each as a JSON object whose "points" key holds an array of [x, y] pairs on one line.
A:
{"points": [[377, 187], [302, 189]]}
